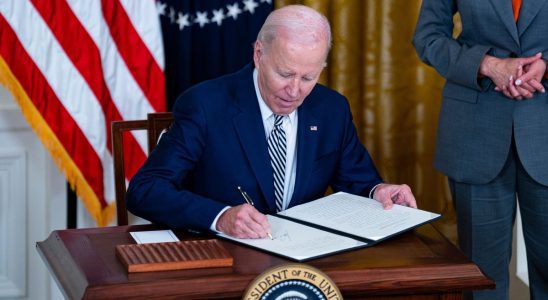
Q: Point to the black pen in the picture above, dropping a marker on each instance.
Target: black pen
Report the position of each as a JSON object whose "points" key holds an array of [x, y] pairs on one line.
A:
{"points": [[250, 202], [246, 196]]}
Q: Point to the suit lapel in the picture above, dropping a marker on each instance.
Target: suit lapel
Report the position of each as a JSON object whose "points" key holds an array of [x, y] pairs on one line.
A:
{"points": [[504, 10], [307, 142], [528, 12], [252, 137]]}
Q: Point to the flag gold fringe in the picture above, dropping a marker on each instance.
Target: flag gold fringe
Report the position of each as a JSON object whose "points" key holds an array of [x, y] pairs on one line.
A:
{"points": [[63, 160]]}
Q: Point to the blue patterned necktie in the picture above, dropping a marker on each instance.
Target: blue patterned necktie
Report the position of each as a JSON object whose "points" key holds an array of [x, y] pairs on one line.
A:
{"points": [[277, 150]]}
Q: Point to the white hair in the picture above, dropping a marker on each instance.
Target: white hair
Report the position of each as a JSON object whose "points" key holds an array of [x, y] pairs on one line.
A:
{"points": [[299, 23]]}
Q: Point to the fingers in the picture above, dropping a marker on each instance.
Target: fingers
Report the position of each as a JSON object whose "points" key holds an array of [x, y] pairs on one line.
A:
{"points": [[526, 85], [260, 224], [524, 79], [524, 93], [382, 194], [404, 197], [388, 194], [525, 90], [387, 203], [523, 87], [530, 75], [512, 90], [243, 221], [536, 85], [530, 59], [506, 93], [520, 72]]}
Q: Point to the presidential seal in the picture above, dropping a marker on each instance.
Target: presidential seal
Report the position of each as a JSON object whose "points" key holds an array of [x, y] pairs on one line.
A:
{"points": [[292, 281]]}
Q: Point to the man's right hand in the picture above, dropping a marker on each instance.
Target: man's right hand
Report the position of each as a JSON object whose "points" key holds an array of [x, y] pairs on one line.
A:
{"points": [[244, 222]]}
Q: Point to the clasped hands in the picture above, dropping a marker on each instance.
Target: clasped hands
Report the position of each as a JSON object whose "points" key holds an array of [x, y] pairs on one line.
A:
{"points": [[517, 78], [246, 222]]}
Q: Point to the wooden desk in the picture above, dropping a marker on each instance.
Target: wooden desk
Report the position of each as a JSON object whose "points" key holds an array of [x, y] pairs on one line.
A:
{"points": [[420, 264]]}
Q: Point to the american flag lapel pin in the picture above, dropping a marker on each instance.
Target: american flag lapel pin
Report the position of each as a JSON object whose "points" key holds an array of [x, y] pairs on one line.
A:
{"points": [[313, 128]]}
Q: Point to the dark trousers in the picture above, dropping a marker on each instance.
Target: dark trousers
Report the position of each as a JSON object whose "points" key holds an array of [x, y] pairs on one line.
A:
{"points": [[485, 219]]}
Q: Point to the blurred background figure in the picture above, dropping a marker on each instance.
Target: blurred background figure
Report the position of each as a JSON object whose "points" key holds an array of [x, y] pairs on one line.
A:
{"points": [[491, 139]]}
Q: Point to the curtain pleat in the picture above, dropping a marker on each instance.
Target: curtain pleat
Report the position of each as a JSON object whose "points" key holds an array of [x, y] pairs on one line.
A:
{"points": [[395, 98]]}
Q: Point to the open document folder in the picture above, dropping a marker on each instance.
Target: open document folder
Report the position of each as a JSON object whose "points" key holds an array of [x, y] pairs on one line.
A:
{"points": [[336, 223]]}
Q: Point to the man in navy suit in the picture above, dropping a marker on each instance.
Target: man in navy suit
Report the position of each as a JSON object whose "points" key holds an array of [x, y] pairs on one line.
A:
{"points": [[219, 140]]}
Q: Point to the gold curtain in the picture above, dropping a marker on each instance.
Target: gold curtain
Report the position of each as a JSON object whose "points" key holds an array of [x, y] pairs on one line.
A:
{"points": [[395, 98]]}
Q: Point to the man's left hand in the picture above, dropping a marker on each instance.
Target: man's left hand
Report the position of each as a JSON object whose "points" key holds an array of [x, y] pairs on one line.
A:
{"points": [[388, 194]]}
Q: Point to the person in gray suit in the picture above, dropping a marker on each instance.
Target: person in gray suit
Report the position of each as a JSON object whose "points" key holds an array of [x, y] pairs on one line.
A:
{"points": [[492, 138]]}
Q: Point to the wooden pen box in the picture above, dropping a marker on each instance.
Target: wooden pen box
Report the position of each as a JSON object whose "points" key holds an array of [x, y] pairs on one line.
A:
{"points": [[193, 254]]}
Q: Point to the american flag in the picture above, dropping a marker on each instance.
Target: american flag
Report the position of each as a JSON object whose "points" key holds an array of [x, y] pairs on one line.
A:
{"points": [[206, 39], [74, 66]]}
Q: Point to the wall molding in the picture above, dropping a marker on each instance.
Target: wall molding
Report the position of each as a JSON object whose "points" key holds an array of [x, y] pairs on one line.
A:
{"points": [[13, 222]]}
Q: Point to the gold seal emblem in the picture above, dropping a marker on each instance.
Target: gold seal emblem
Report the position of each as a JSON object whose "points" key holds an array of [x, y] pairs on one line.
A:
{"points": [[292, 281]]}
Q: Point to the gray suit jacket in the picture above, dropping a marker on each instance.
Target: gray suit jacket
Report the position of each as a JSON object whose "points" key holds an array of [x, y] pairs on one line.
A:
{"points": [[476, 122]]}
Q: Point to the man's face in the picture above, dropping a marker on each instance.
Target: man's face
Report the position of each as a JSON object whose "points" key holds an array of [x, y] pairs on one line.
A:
{"points": [[287, 72]]}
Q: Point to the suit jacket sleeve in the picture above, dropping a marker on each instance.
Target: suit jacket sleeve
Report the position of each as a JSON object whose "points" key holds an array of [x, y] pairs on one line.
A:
{"points": [[158, 191], [356, 172], [456, 60]]}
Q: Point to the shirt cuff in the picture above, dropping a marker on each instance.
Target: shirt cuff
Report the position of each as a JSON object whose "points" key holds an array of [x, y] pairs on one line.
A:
{"points": [[213, 226], [372, 192]]}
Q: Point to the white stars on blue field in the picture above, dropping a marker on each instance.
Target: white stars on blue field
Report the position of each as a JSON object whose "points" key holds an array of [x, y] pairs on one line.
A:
{"points": [[213, 17]]}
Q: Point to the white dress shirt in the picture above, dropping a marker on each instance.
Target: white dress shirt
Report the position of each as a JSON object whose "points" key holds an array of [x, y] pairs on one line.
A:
{"points": [[290, 124]]}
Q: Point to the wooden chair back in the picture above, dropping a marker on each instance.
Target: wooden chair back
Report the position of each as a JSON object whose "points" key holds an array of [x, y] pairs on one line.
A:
{"points": [[155, 124]]}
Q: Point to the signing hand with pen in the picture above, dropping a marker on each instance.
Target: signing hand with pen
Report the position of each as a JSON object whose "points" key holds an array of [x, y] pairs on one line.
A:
{"points": [[244, 222]]}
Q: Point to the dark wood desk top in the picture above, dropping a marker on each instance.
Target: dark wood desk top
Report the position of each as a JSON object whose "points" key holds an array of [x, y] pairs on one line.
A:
{"points": [[422, 261]]}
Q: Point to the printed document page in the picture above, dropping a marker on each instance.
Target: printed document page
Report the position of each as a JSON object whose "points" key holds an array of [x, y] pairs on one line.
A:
{"points": [[154, 236], [299, 242], [359, 216]]}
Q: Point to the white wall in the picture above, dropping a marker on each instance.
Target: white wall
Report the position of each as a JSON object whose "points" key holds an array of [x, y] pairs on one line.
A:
{"points": [[33, 196], [32, 204], [519, 280]]}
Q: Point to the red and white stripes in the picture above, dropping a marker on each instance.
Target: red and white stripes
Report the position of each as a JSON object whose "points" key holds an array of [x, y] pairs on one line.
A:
{"points": [[75, 66]]}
